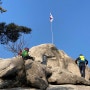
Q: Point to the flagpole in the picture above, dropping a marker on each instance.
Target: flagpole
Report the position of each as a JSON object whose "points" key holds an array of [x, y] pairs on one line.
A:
{"points": [[52, 32], [51, 20]]}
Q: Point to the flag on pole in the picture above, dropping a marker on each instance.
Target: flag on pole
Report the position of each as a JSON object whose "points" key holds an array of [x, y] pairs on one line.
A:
{"points": [[51, 17]]}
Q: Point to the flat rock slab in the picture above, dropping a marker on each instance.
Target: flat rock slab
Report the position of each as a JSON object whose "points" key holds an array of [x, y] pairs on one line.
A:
{"points": [[57, 87], [68, 87]]}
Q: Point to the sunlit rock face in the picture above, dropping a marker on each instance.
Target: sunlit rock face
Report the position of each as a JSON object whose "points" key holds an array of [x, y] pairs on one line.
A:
{"points": [[58, 58], [59, 68]]}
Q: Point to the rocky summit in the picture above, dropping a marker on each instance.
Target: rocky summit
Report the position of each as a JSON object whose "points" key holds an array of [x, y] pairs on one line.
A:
{"points": [[58, 72]]}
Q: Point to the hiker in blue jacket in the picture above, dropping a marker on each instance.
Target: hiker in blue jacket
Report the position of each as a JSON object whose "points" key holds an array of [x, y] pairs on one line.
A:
{"points": [[82, 62]]}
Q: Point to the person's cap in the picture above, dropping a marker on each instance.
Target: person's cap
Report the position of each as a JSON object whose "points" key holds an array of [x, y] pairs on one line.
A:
{"points": [[81, 55], [27, 49]]}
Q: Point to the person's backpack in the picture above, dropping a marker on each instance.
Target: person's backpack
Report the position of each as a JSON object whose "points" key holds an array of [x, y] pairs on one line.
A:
{"points": [[24, 53], [20, 52], [82, 59]]}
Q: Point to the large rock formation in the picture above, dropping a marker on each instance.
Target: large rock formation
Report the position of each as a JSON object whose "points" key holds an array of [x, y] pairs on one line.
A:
{"points": [[12, 72], [58, 59], [59, 69], [37, 74]]}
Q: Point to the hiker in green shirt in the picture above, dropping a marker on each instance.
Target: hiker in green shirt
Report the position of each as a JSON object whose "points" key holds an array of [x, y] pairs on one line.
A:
{"points": [[25, 55]]}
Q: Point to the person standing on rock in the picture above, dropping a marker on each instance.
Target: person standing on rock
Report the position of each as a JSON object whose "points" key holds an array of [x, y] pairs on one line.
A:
{"points": [[82, 62], [45, 58]]}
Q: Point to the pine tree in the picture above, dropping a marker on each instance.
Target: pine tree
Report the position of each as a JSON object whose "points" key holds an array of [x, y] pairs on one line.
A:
{"points": [[12, 32]]}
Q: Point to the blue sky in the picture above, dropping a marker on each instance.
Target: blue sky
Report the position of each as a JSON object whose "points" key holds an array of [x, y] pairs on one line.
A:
{"points": [[71, 24]]}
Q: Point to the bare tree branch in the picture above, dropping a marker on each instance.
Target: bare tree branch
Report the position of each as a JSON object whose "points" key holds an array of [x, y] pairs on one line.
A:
{"points": [[16, 46], [2, 9]]}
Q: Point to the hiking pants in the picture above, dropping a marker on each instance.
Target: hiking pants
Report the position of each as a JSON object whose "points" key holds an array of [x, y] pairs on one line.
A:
{"points": [[82, 69], [28, 57]]}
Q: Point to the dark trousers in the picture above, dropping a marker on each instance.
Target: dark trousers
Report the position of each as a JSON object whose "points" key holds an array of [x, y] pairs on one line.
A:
{"points": [[82, 69], [28, 57]]}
